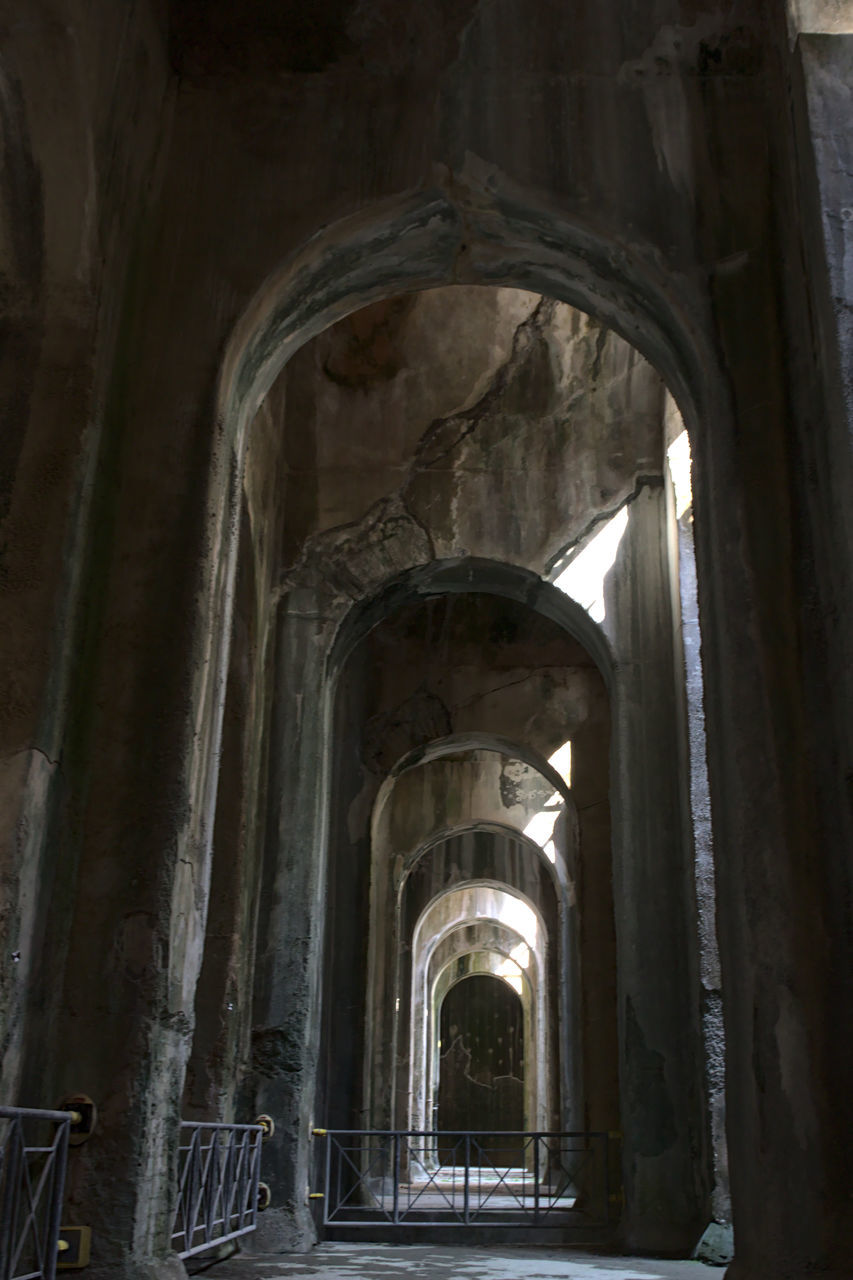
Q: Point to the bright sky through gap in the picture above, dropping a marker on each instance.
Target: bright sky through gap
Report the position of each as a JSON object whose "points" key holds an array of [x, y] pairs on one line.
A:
{"points": [[583, 578], [678, 456]]}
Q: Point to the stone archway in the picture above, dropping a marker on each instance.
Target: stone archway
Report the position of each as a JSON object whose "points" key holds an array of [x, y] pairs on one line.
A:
{"points": [[482, 779], [319, 654], [482, 1063], [491, 926]]}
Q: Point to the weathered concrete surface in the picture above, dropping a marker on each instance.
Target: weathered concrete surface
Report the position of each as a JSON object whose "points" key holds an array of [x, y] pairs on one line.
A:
{"points": [[468, 665], [828, 17], [503, 422], [661, 1051], [223, 1003], [434, 1262], [167, 169]]}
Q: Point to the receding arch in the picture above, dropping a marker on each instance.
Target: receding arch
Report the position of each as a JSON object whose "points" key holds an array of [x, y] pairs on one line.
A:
{"points": [[494, 828], [299, 313], [454, 742], [464, 234], [391, 868], [522, 916], [473, 575], [448, 235], [473, 745], [479, 915], [505, 1102]]}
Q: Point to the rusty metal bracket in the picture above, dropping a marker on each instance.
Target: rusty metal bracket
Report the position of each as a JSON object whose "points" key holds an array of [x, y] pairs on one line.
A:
{"points": [[267, 1127], [74, 1248], [84, 1117]]}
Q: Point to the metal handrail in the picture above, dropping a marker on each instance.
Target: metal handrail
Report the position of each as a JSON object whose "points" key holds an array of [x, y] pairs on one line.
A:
{"points": [[219, 1173], [32, 1184], [431, 1178]]}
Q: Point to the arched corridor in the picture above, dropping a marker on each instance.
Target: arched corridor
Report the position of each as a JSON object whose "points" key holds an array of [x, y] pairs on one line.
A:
{"points": [[452, 696], [425, 681]]}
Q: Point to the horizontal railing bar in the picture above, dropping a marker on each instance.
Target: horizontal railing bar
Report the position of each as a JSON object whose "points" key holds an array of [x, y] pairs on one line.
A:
{"points": [[34, 1113], [522, 1220], [462, 1133], [455, 1177], [217, 1124], [212, 1244]]}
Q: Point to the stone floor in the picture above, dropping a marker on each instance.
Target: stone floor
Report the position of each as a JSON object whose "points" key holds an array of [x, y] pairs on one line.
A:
{"points": [[447, 1262]]}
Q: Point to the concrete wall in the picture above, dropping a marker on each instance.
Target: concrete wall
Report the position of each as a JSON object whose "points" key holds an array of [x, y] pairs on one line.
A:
{"points": [[170, 173]]}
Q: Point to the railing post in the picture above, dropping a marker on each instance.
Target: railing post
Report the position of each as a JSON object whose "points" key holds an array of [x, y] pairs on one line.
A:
{"points": [[255, 1178], [396, 1164], [58, 1156], [536, 1138], [11, 1163], [328, 1186], [31, 1208], [467, 1188], [193, 1189]]}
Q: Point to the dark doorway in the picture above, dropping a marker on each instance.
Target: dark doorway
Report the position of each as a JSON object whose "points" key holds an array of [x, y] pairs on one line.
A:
{"points": [[481, 1067]]}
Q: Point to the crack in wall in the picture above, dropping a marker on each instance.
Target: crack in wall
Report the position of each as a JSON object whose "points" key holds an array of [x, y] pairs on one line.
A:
{"points": [[565, 556], [32, 750], [354, 557], [466, 423]]}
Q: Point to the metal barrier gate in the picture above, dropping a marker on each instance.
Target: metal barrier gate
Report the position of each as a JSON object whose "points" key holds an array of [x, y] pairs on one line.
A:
{"points": [[33, 1158], [219, 1172], [427, 1178]]}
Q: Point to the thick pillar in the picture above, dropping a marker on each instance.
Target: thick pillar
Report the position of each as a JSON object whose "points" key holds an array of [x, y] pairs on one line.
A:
{"points": [[105, 793], [824, 104], [144, 757], [286, 1034], [665, 1170], [774, 536], [223, 1003]]}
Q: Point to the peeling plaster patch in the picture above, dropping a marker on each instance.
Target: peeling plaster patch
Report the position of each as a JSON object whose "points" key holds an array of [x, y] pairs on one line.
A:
{"points": [[669, 118], [511, 784], [354, 559], [445, 435], [388, 735], [275, 1051], [372, 351], [795, 1067], [658, 73], [662, 74]]}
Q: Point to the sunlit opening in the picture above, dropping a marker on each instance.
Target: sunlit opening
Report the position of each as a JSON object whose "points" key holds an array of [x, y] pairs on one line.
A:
{"points": [[521, 955], [540, 828], [472, 902], [510, 972], [678, 457], [561, 761], [520, 917], [583, 578]]}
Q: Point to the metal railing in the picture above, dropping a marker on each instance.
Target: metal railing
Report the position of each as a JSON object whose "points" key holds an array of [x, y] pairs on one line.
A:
{"points": [[430, 1178], [219, 1172], [33, 1158]]}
